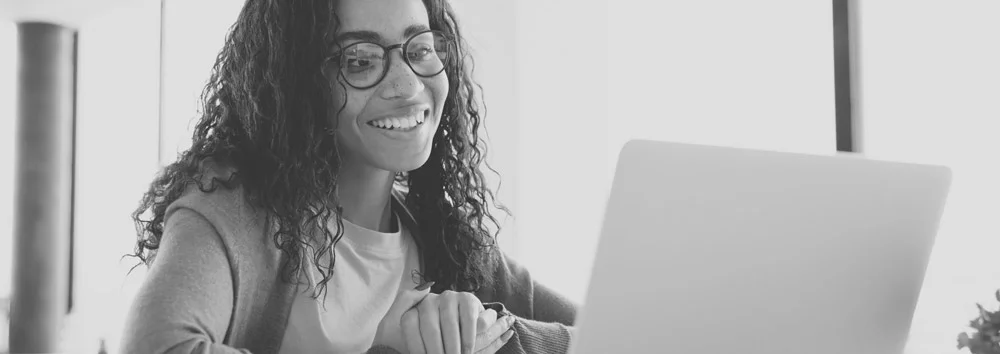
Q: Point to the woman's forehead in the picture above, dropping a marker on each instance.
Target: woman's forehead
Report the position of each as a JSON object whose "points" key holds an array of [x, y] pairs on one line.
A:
{"points": [[389, 18]]}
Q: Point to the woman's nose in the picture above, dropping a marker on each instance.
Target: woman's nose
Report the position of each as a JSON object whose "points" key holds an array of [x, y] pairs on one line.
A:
{"points": [[401, 82]]}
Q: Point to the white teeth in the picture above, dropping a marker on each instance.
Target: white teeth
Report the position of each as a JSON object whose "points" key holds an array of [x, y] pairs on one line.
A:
{"points": [[398, 123]]}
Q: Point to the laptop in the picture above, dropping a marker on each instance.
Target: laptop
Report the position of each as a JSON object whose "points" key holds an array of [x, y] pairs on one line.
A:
{"points": [[722, 250]]}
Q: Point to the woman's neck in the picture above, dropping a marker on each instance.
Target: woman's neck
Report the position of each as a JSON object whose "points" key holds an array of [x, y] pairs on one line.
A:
{"points": [[364, 193]]}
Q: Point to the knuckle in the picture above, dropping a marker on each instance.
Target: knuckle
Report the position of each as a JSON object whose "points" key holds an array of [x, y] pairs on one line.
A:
{"points": [[428, 303], [452, 297], [491, 313], [469, 298]]}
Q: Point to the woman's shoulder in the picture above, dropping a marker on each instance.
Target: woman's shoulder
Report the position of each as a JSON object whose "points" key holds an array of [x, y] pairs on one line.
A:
{"points": [[222, 201]]}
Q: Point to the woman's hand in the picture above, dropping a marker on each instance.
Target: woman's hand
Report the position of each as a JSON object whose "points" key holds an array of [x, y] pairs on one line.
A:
{"points": [[390, 332], [447, 324], [493, 334]]}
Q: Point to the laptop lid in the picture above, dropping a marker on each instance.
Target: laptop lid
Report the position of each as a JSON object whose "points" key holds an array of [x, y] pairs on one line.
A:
{"points": [[722, 250]]}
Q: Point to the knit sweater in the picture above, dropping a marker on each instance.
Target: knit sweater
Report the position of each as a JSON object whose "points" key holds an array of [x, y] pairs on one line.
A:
{"points": [[216, 286]]}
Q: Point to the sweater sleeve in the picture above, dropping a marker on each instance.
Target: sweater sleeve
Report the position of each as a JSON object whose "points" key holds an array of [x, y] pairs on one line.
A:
{"points": [[543, 317], [185, 303]]}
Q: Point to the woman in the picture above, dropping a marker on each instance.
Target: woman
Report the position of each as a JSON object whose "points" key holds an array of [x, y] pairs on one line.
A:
{"points": [[332, 199]]}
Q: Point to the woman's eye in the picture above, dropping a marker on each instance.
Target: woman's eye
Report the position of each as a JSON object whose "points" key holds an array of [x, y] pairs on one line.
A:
{"points": [[422, 53], [361, 61], [358, 63]]}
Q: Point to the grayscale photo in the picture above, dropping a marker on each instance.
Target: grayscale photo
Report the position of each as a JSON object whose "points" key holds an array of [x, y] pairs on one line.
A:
{"points": [[499, 177]]}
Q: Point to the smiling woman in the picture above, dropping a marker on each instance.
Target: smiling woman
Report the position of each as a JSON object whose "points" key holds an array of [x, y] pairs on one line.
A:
{"points": [[332, 198]]}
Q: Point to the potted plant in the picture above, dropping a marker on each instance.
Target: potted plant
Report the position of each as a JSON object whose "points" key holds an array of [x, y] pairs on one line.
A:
{"points": [[986, 337]]}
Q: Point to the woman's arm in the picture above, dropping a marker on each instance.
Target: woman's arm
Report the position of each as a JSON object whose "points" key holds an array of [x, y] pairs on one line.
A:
{"points": [[186, 300], [543, 316]]}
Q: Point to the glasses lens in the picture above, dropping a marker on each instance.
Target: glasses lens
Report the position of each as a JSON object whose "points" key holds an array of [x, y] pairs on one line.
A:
{"points": [[428, 53], [362, 64]]}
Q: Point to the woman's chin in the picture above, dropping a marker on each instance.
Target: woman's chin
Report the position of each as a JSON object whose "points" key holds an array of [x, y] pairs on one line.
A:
{"points": [[404, 163]]}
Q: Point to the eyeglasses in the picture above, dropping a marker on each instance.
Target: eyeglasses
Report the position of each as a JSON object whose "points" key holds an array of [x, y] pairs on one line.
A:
{"points": [[364, 64]]}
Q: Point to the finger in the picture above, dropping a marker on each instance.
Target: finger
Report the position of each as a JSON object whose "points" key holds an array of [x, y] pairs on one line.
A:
{"points": [[498, 343], [410, 323], [486, 319], [430, 327], [407, 299], [450, 325], [468, 320], [494, 332]]}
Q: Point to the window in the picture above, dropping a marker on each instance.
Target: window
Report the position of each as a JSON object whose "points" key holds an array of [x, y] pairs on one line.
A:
{"points": [[193, 35], [746, 74], [929, 81], [117, 130]]}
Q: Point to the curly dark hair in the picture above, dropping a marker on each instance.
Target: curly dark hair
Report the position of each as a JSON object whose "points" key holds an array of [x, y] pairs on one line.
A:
{"points": [[266, 112]]}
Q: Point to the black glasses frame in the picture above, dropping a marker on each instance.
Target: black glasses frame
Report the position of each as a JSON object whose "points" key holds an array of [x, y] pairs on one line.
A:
{"points": [[387, 50]]}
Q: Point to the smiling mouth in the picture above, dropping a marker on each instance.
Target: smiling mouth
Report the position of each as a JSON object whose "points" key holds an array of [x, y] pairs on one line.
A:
{"points": [[401, 123]]}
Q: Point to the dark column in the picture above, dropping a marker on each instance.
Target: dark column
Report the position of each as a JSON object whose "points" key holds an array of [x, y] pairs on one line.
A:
{"points": [[845, 73], [43, 186]]}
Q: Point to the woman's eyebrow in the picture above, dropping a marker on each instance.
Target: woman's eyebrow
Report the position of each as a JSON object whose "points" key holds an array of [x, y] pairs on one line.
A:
{"points": [[372, 36], [367, 36], [414, 29]]}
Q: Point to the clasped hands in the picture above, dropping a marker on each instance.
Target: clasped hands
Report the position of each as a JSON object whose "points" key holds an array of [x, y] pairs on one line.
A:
{"points": [[419, 322]]}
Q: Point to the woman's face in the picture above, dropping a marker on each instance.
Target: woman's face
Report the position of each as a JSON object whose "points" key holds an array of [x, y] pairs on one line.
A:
{"points": [[401, 98]]}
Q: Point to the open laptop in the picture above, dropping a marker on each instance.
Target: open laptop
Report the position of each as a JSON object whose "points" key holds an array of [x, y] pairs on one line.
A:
{"points": [[722, 250]]}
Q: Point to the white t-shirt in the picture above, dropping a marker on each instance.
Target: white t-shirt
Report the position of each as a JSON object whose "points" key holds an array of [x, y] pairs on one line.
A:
{"points": [[371, 268]]}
